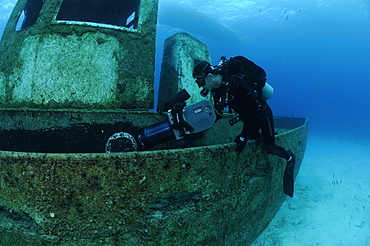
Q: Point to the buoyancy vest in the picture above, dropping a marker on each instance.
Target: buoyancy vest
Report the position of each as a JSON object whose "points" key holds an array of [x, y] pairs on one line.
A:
{"points": [[243, 67]]}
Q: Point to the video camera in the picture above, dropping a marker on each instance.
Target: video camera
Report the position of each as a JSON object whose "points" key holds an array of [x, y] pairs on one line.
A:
{"points": [[184, 124]]}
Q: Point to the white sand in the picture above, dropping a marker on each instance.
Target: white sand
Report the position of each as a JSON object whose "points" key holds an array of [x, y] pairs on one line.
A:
{"points": [[331, 204]]}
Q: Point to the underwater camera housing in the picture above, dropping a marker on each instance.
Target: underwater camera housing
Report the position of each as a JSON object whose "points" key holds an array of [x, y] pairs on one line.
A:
{"points": [[184, 124]]}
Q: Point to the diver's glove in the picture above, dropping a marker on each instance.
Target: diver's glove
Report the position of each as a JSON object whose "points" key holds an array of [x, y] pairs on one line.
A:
{"points": [[241, 142]]}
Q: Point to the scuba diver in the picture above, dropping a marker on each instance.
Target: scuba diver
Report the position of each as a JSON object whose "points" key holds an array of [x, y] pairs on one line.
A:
{"points": [[241, 85]]}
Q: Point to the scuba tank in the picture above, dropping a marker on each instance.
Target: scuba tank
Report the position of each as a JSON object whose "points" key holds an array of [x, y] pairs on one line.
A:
{"points": [[267, 91]]}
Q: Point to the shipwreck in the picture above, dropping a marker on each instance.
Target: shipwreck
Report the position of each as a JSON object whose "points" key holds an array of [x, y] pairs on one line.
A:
{"points": [[73, 74]]}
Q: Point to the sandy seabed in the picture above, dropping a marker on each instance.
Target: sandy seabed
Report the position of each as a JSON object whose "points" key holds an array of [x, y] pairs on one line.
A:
{"points": [[331, 204]]}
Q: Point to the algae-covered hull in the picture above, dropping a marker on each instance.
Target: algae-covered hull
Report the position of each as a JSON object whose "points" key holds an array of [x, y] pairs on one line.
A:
{"points": [[205, 195]]}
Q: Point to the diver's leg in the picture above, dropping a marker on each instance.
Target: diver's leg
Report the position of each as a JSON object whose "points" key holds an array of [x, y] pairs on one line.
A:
{"points": [[268, 133]]}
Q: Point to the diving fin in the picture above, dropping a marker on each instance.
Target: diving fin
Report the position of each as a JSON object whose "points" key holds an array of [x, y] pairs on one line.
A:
{"points": [[288, 181]]}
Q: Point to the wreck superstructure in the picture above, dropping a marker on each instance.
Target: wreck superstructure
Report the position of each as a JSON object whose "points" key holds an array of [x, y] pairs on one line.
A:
{"points": [[79, 54]]}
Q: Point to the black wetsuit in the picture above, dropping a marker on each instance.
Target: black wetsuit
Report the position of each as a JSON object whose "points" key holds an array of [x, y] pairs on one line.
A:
{"points": [[256, 114]]}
